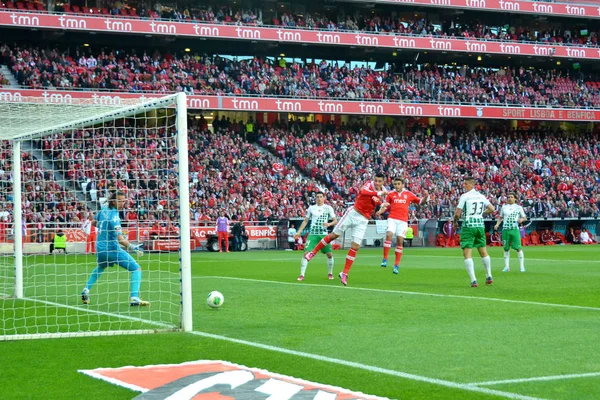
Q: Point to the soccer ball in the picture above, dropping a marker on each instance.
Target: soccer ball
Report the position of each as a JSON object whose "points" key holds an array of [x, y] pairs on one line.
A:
{"points": [[215, 299]]}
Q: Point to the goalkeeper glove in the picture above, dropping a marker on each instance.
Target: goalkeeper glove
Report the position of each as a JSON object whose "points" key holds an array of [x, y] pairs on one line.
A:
{"points": [[137, 249]]}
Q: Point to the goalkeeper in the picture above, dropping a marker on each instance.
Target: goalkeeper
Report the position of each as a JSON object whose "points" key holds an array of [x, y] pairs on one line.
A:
{"points": [[110, 249]]}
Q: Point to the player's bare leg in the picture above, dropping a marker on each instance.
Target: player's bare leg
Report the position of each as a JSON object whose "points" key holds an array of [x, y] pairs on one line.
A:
{"points": [[324, 242], [329, 265], [487, 264], [387, 245], [350, 257], [399, 248]]}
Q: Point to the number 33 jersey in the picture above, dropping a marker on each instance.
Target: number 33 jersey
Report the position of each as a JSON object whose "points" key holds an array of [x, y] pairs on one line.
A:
{"points": [[473, 204]]}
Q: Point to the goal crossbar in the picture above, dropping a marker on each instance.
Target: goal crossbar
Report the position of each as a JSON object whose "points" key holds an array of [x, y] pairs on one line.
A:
{"points": [[20, 126]]}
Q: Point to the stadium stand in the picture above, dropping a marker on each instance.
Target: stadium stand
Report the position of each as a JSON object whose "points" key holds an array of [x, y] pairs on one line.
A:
{"points": [[228, 171], [225, 170], [550, 168], [40, 68], [46, 201], [341, 18]]}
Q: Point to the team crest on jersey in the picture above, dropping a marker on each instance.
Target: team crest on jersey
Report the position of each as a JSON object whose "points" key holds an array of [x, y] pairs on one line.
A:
{"points": [[217, 380]]}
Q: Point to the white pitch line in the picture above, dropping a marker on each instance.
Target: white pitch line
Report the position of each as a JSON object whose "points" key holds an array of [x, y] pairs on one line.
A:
{"points": [[370, 368], [161, 324], [454, 296], [536, 379]]}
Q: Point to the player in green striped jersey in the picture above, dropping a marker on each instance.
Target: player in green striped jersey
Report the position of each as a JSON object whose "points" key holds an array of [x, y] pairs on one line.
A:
{"points": [[321, 217], [472, 206], [512, 215]]}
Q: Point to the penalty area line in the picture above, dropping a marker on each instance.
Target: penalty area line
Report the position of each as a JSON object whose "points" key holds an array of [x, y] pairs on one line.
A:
{"points": [[370, 368]]}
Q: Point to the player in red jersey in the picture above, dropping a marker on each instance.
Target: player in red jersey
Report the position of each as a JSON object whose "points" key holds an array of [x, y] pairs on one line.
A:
{"points": [[398, 201], [356, 218]]}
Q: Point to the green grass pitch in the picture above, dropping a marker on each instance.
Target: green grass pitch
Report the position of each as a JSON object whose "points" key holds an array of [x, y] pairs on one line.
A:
{"points": [[423, 334]]}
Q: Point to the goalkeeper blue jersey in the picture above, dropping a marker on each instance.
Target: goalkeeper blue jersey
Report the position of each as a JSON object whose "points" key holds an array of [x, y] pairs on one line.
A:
{"points": [[108, 223]]}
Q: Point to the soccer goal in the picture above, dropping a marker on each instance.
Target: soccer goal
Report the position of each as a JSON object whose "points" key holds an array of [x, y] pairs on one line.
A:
{"points": [[72, 177]]}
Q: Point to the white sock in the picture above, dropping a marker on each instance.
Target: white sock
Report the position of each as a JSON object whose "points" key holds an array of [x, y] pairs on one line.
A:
{"points": [[521, 260], [487, 264], [470, 268], [506, 259], [330, 265], [303, 266]]}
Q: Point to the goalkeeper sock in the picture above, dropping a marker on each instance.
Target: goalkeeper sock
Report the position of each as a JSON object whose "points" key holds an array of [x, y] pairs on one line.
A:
{"points": [[330, 265], [303, 265], [94, 277], [136, 281]]}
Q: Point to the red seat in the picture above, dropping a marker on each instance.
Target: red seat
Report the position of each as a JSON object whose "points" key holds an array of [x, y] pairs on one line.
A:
{"points": [[76, 9]]}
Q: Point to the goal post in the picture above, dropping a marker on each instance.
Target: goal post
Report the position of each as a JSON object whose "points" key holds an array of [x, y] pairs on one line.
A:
{"points": [[60, 165]]}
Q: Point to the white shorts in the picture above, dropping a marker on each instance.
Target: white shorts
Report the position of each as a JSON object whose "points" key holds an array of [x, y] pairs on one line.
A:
{"points": [[397, 227], [354, 220]]}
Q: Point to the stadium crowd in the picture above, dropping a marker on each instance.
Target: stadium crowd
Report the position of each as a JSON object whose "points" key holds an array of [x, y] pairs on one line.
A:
{"points": [[556, 173], [225, 172], [45, 201], [342, 18], [129, 71]]}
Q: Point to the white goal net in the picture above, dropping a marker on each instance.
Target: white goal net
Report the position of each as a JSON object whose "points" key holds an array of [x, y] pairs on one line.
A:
{"points": [[94, 218]]}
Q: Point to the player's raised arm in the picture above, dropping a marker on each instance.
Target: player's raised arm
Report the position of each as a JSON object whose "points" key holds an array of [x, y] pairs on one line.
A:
{"points": [[425, 198], [370, 190]]}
